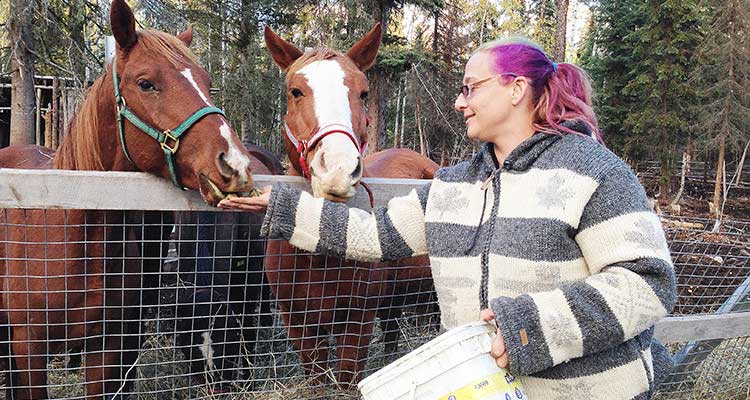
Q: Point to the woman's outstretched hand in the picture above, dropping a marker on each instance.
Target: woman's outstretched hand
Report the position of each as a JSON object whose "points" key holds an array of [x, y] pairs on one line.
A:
{"points": [[498, 350], [257, 203]]}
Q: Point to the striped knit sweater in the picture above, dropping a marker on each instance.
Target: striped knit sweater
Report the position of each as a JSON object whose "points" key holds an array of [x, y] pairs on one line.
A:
{"points": [[575, 265]]}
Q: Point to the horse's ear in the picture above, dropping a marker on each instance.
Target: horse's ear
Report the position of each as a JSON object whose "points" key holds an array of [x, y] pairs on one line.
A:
{"points": [[122, 21], [364, 52], [187, 36], [283, 53]]}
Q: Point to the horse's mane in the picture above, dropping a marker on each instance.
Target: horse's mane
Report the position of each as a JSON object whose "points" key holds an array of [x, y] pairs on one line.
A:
{"points": [[80, 148], [310, 56]]}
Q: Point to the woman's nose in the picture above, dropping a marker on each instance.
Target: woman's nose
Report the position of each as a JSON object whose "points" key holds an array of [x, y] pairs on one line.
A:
{"points": [[460, 103]]}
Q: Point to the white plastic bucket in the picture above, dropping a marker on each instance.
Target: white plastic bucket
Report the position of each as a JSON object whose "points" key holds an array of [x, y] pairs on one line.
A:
{"points": [[456, 365]]}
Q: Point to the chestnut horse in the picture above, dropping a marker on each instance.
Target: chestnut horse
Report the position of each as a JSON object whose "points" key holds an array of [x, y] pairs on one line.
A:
{"points": [[326, 132], [65, 283]]}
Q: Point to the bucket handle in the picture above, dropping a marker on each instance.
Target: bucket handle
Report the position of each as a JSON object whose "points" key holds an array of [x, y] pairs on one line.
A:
{"points": [[413, 391]]}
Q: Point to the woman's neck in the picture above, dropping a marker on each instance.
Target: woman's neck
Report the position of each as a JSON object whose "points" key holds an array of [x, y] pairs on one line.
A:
{"points": [[506, 143]]}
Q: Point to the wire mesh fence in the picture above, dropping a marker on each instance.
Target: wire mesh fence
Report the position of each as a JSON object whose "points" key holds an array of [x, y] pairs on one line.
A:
{"points": [[712, 263], [196, 305]]}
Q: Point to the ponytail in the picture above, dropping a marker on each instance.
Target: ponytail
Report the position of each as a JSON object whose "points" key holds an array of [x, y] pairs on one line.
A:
{"points": [[566, 97]]}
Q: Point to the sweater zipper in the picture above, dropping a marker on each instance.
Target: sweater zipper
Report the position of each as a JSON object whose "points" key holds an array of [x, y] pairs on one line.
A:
{"points": [[483, 187], [494, 179]]}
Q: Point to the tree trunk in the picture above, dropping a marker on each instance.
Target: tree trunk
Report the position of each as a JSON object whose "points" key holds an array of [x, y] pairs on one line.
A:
{"points": [[376, 106], [665, 180], [741, 165], [76, 25], [403, 117], [398, 116], [23, 98], [560, 29], [417, 117], [686, 157], [719, 177], [436, 30], [376, 102]]}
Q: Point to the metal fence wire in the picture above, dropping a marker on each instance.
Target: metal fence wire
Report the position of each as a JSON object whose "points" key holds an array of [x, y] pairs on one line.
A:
{"points": [[179, 303], [712, 263]]}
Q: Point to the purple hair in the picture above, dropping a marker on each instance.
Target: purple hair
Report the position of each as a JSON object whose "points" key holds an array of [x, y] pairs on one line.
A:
{"points": [[560, 92]]}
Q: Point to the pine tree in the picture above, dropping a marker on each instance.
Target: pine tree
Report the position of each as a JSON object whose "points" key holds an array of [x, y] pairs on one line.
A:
{"points": [[544, 23], [722, 78], [664, 47], [608, 57], [516, 20]]}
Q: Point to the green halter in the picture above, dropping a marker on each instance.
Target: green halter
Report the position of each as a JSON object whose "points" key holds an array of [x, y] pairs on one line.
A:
{"points": [[169, 140]]}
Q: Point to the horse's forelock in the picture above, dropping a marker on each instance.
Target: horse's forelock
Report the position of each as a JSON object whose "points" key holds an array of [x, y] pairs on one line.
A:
{"points": [[165, 45], [309, 57]]}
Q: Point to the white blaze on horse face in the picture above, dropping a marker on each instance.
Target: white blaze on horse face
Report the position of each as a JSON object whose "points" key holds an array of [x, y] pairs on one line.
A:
{"points": [[235, 158], [337, 157], [189, 75]]}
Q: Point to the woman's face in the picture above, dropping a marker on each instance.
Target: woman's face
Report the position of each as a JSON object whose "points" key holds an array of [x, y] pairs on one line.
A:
{"points": [[488, 104]]}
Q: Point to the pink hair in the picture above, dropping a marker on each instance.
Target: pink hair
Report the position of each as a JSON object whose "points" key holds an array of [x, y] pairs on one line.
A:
{"points": [[561, 92]]}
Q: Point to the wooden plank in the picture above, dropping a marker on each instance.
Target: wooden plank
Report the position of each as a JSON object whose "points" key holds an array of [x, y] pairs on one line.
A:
{"points": [[703, 327], [140, 191]]}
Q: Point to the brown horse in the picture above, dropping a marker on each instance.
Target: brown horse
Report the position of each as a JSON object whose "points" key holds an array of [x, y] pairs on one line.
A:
{"points": [[325, 129], [66, 284]]}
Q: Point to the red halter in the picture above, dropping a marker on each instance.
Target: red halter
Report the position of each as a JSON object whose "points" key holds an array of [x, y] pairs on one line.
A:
{"points": [[304, 147]]}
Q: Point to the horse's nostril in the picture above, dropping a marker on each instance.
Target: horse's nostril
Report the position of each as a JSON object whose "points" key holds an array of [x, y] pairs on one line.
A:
{"points": [[225, 169], [323, 162], [358, 170]]}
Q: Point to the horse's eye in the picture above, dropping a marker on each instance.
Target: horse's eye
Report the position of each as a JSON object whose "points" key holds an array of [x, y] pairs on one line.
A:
{"points": [[297, 93], [363, 95], [146, 86]]}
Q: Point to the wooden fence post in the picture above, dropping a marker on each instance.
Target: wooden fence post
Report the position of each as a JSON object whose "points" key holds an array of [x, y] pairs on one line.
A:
{"points": [[55, 113]]}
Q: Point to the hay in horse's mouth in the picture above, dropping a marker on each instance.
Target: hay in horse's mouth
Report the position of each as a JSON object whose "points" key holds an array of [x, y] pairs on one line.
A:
{"points": [[211, 193], [335, 198], [214, 195]]}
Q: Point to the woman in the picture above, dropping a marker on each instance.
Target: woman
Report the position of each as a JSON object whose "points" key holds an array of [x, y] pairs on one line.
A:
{"points": [[547, 227]]}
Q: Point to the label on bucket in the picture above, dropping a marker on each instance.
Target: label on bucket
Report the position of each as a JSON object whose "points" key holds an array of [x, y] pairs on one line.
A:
{"points": [[500, 386]]}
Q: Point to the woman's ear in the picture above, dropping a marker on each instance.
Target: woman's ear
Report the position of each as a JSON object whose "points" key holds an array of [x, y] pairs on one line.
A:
{"points": [[519, 89]]}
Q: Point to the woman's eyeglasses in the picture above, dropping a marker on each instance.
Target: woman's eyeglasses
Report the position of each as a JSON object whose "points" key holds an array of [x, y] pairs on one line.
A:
{"points": [[468, 89]]}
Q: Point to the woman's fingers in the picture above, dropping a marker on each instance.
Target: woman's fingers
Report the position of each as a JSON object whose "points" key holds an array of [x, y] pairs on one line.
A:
{"points": [[255, 204], [487, 315], [498, 346], [498, 351], [502, 361]]}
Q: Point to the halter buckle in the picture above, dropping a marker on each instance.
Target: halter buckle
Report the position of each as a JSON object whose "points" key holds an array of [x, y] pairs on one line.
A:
{"points": [[165, 146], [120, 104]]}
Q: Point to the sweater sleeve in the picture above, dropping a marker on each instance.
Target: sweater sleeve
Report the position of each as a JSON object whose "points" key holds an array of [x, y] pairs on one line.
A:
{"points": [[318, 225], [631, 284]]}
